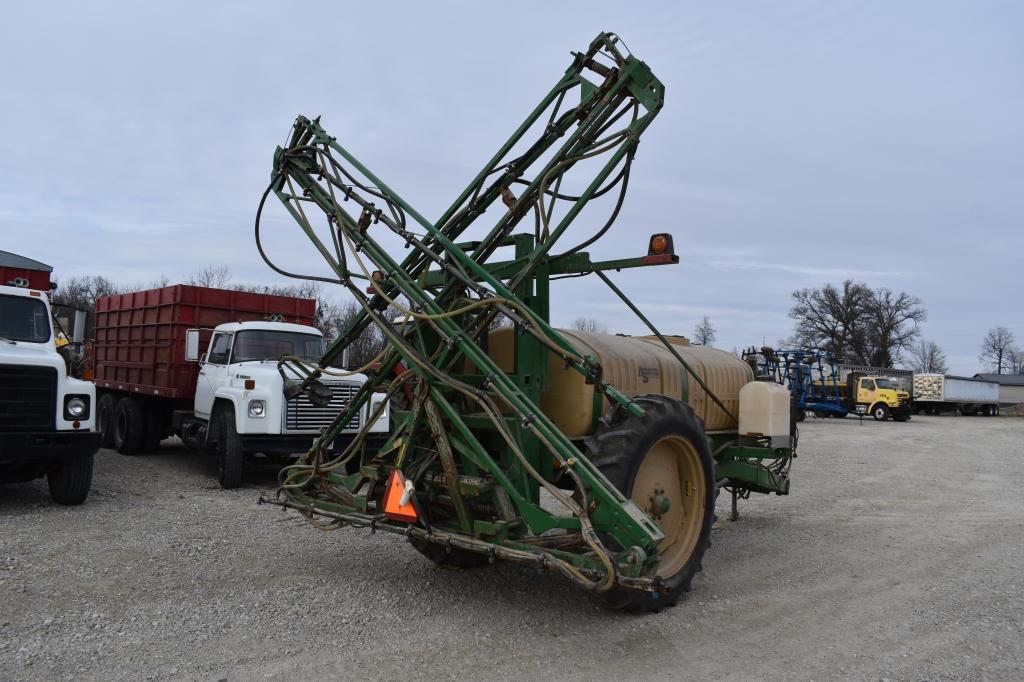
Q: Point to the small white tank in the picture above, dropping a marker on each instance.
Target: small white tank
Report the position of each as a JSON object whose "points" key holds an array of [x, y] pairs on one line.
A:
{"points": [[764, 409]]}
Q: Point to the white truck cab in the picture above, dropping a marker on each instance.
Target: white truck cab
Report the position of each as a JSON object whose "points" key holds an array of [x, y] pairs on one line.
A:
{"points": [[240, 405], [46, 417]]}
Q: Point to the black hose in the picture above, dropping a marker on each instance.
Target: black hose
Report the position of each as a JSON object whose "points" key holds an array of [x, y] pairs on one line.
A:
{"points": [[266, 259], [615, 211]]}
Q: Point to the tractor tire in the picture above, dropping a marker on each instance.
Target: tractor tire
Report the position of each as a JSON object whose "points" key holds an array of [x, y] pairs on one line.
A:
{"points": [[455, 559], [229, 451], [105, 407], [880, 412], [129, 426], [70, 480], [663, 453]]}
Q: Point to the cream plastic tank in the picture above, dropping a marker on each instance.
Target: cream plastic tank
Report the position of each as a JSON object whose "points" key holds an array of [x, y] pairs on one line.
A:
{"points": [[635, 366], [764, 409]]}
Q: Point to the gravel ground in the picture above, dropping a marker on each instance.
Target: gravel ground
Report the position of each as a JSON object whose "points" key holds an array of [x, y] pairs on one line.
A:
{"points": [[898, 555]]}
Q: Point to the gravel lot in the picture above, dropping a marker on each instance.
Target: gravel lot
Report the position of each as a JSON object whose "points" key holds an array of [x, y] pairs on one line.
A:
{"points": [[898, 555]]}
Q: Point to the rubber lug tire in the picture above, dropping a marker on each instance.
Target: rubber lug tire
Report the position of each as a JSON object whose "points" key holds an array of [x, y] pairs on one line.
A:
{"points": [[70, 480], [880, 412], [129, 427], [618, 448], [229, 450], [105, 407]]}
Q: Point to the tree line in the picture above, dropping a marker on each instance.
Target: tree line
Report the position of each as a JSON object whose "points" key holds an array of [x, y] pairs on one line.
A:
{"points": [[858, 324], [879, 327]]}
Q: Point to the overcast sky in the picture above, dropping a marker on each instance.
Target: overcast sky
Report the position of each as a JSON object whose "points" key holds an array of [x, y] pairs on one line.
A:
{"points": [[801, 142]]}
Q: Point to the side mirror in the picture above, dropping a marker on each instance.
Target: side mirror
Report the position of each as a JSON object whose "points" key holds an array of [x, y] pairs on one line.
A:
{"points": [[78, 330], [192, 345]]}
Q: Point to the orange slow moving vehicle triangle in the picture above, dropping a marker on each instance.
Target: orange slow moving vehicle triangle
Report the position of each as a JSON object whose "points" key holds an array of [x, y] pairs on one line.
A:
{"points": [[393, 507]]}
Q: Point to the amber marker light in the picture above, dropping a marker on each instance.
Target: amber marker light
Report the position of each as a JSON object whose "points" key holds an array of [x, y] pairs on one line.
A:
{"points": [[660, 244]]}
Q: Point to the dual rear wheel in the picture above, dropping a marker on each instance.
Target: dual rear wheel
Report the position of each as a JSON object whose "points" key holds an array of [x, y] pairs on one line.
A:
{"points": [[128, 425]]}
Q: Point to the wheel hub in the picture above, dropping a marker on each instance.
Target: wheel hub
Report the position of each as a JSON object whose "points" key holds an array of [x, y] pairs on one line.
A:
{"points": [[660, 504]]}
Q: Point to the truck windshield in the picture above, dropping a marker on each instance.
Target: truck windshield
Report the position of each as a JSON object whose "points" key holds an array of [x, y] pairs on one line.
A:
{"points": [[23, 318], [263, 344], [885, 383]]}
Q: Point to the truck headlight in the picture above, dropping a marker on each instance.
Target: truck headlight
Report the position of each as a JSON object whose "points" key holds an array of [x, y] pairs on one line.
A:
{"points": [[257, 408], [76, 407]]}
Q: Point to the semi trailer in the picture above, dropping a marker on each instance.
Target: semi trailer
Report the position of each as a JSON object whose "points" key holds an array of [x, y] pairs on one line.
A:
{"points": [[46, 416], [937, 393], [201, 364]]}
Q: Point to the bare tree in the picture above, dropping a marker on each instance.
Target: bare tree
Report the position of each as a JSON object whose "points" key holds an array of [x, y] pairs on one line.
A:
{"points": [[336, 319], [856, 323], [704, 333], [589, 324], [832, 319], [216, 276], [996, 349], [926, 357], [893, 322], [1015, 360], [81, 293]]}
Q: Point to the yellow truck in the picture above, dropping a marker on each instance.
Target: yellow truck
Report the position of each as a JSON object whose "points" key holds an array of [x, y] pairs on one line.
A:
{"points": [[862, 394]]}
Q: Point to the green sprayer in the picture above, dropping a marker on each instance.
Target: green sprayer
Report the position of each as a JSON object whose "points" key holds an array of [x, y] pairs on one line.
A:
{"points": [[595, 456]]}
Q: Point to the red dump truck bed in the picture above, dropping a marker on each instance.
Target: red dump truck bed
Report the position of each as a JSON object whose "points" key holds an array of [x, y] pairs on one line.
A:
{"points": [[140, 336]]}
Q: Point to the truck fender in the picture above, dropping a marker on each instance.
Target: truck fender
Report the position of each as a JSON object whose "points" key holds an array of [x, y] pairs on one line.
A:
{"points": [[871, 409], [239, 399], [232, 396]]}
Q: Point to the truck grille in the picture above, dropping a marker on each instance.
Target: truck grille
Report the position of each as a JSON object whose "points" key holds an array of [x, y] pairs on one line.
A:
{"points": [[28, 397], [302, 415]]}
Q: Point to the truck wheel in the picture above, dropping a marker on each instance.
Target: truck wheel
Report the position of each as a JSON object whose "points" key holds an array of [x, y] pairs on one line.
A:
{"points": [[129, 427], [69, 482], [230, 455], [880, 412], [105, 419], [662, 461]]}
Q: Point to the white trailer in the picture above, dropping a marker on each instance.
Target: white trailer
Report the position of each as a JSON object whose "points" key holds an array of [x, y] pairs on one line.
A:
{"points": [[935, 393]]}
